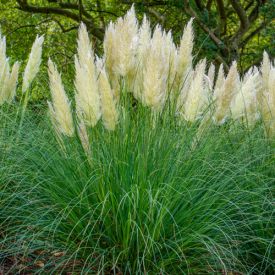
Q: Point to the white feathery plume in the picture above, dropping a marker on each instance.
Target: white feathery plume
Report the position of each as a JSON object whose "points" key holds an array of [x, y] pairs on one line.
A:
{"points": [[109, 45], [219, 81], [4, 77], [13, 81], [155, 74], [120, 49], [109, 109], [184, 92], [129, 43], [4, 68], [184, 60], [264, 97], [144, 38], [60, 109], [129, 51], [33, 64], [8, 80], [170, 51], [224, 95], [87, 96], [84, 46], [244, 105], [120, 44], [265, 69], [10, 83], [211, 75], [3, 57], [196, 99]]}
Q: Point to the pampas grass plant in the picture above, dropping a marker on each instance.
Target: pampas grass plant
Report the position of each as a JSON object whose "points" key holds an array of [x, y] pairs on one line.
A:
{"points": [[154, 168]]}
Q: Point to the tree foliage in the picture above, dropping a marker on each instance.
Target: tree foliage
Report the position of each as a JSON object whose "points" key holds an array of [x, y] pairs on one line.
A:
{"points": [[226, 30]]}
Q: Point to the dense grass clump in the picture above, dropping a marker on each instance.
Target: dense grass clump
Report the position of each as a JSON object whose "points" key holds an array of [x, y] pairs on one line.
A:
{"points": [[155, 167], [147, 198]]}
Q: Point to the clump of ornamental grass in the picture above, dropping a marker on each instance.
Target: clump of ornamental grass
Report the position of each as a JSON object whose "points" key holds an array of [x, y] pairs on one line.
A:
{"points": [[141, 199], [157, 168], [164, 196]]}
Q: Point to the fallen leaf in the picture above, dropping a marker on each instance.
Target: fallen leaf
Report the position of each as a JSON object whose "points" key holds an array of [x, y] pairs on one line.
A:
{"points": [[39, 264], [59, 254]]}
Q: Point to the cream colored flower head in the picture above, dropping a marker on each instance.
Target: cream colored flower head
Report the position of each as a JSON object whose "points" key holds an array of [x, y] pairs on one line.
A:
{"points": [[87, 96], [184, 60], [224, 94], [108, 104], [196, 99], [8, 80], [33, 64], [60, 109], [120, 44]]}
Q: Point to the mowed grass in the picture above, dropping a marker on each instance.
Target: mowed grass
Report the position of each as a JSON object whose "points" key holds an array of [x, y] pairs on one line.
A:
{"points": [[151, 197]]}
